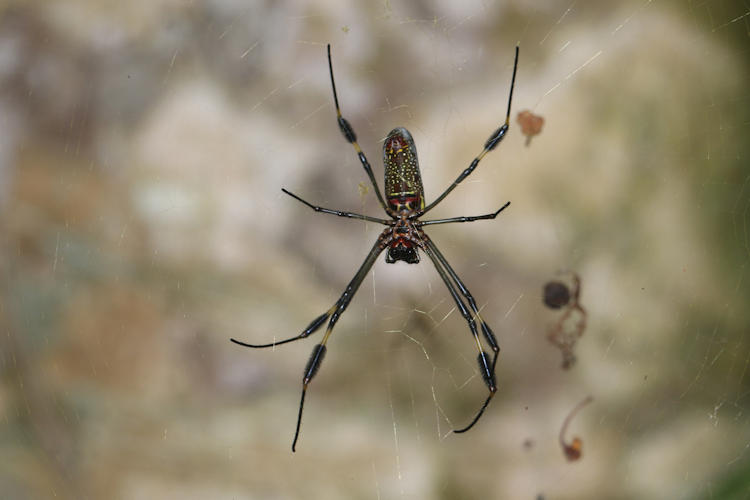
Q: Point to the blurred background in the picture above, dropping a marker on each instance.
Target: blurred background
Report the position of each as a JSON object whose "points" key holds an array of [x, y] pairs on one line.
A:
{"points": [[143, 148]]}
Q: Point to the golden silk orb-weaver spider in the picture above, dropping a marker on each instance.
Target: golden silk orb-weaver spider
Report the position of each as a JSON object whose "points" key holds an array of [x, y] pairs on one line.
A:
{"points": [[404, 203]]}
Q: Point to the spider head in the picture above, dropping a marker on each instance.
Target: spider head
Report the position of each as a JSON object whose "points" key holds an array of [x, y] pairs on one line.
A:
{"points": [[402, 250]]}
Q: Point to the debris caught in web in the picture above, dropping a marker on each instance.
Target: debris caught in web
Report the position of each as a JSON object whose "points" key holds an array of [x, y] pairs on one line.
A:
{"points": [[574, 449], [569, 328], [530, 123]]}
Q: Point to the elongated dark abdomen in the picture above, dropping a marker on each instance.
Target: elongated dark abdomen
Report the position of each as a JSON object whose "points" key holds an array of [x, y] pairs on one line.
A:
{"points": [[403, 181]]}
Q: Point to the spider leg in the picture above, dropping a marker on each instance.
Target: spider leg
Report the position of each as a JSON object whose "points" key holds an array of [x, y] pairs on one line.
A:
{"points": [[486, 367], [470, 218], [491, 143], [319, 351], [350, 215], [311, 328], [351, 137], [320, 320], [486, 330]]}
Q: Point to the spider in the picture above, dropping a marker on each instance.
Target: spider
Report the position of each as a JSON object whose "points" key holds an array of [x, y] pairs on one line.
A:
{"points": [[403, 236]]}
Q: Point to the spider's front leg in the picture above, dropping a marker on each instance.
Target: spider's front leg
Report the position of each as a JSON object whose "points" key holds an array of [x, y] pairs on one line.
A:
{"points": [[486, 367], [332, 316], [319, 351]]}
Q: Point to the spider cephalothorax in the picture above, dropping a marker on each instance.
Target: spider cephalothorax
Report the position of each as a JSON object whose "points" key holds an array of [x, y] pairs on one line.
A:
{"points": [[404, 240], [404, 203]]}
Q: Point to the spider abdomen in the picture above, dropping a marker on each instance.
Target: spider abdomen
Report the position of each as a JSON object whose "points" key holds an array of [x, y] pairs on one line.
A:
{"points": [[403, 181]]}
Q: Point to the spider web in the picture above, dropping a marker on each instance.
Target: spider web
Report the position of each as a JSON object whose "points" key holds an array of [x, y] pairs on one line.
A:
{"points": [[143, 149]]}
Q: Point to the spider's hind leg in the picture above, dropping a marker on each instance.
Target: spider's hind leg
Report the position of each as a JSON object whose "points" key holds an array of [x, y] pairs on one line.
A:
{"points": [[348, 132]]}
